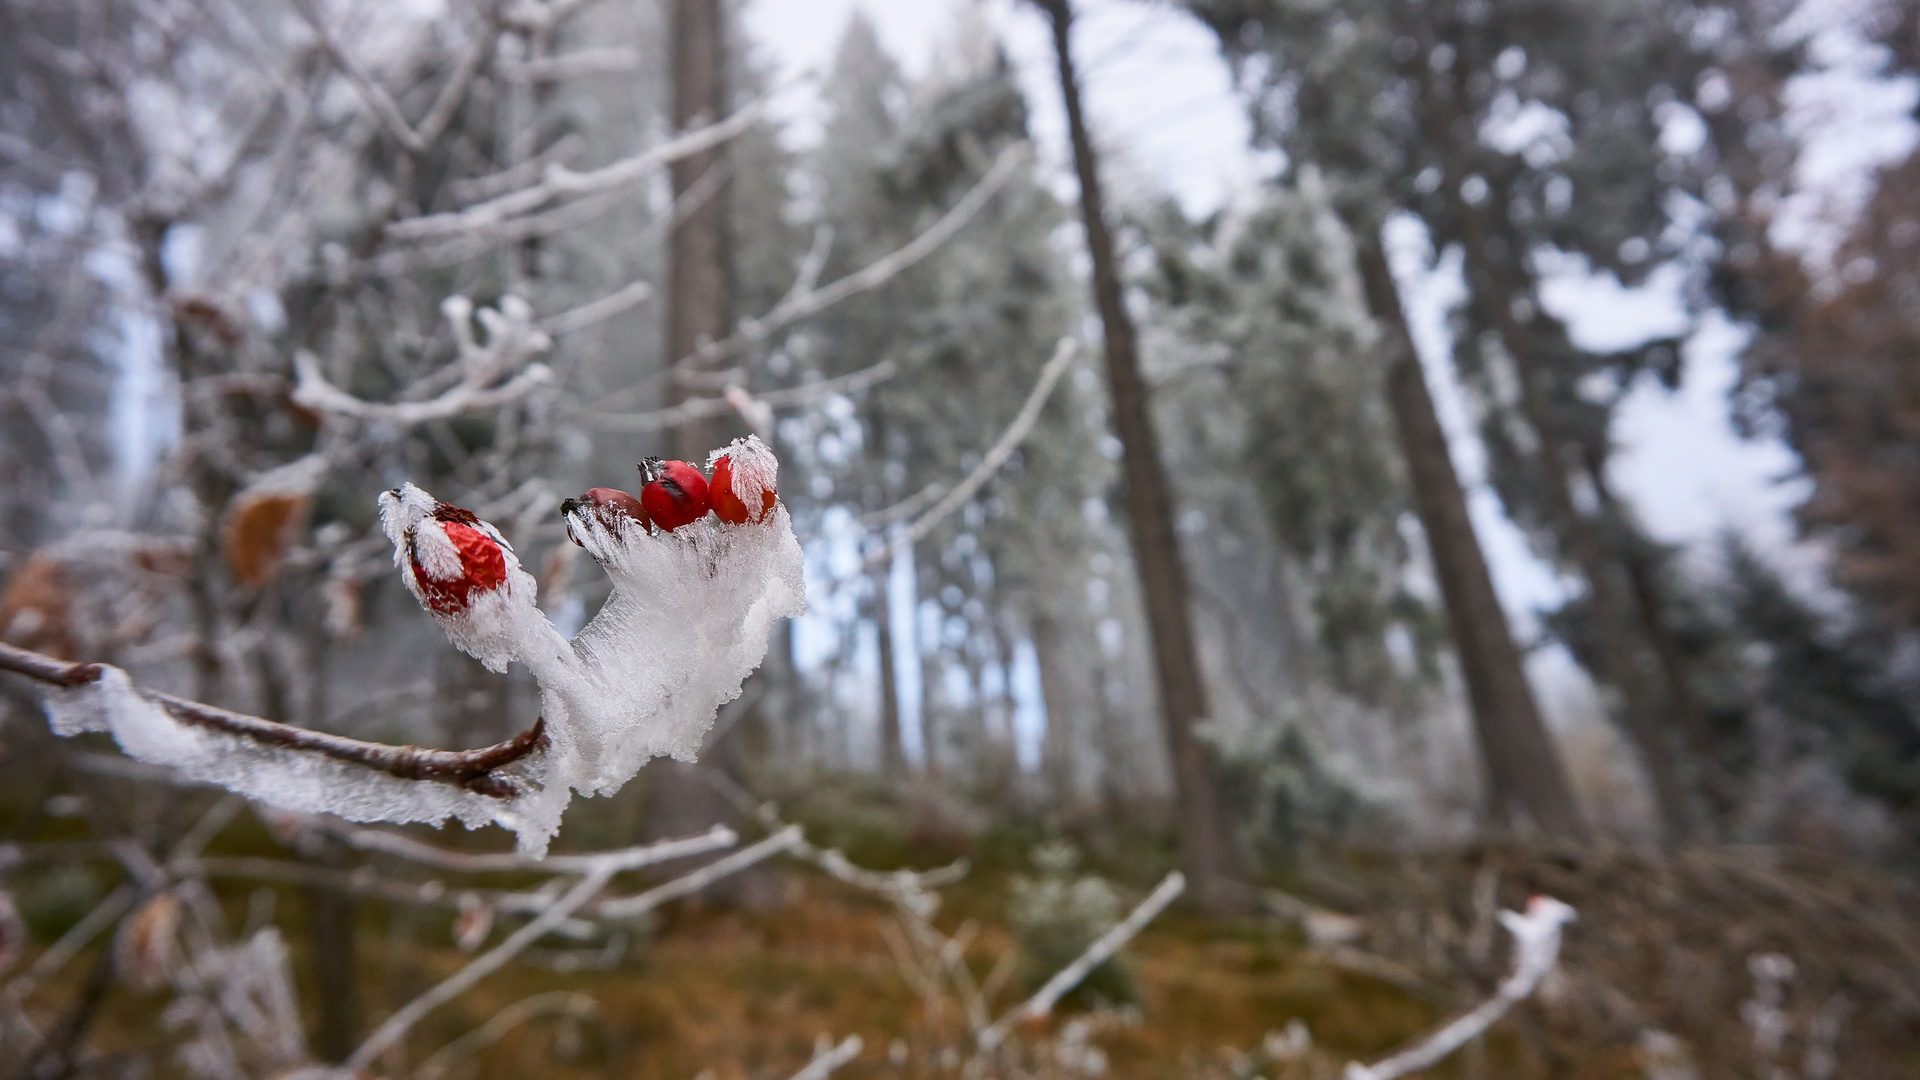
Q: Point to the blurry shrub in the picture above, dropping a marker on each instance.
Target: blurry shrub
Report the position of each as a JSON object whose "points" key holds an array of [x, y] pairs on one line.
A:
{"points": [[1285, 802], [1056, 914]]}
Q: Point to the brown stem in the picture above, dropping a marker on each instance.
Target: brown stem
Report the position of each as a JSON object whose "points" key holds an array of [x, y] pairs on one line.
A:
{"points": [[474, 770]]}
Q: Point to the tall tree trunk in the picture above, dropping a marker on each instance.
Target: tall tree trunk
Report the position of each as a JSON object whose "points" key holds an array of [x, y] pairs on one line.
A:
{"points": [[893, 757], [1618, 657], [1525, 780], [1643, 576], [1206, 845], [699, 253]]}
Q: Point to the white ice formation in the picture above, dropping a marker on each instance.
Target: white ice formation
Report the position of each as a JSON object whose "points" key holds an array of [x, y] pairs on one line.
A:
{"points": [[688, 620]]}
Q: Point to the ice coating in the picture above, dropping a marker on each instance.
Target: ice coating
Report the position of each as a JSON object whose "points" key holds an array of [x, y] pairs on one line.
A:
{"points": [[754, 468], [303, 783], [496, 625], [688, 619]]}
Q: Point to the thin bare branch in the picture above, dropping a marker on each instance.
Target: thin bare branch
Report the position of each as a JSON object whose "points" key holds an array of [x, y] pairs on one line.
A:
{"points": [[1003, 448], [622, 859], [555, 1003], [1041, 1003], [698, 408], [454, 91], [1536, 940], [572, 65], [825, 1061], [627, 907], [561, 181], [315, 392], [872, 276], [371, 91], [401, 1022], [622, 299]]}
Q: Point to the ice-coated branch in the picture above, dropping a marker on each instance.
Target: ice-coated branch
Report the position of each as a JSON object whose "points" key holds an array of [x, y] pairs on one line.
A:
{"points": [[560, 181], [1536, 942], [1041, 1003], [475, 770], [593, 311], [512, 339], [572, 65], [996, 456], [829, 1058], [622, 859], [628, 907]]}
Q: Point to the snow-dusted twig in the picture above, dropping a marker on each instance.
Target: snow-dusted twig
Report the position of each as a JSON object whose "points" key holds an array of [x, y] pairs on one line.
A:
{"points": [[829, 1058], [1536, 941], [1041, 1003], [369, 88], [512, 339], [621, 859], [594, 311], [560, 181], [475, 770], [996, 456], [627, 907], [699, 408], [798, 306], [396, 1026], [572, 65]]}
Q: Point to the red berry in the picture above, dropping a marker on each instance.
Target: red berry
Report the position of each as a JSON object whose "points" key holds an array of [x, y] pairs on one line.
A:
{"points": [[607, 505], [482, 566], [675, 493], [727, 503]]}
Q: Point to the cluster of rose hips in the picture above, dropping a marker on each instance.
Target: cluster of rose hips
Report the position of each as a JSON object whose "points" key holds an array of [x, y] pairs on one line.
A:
{"points": [[673, 494]]}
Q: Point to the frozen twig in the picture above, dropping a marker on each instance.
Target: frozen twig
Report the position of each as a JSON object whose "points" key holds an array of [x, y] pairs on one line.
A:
{"points": [[370, 90], [623, 859], [572, 65], [627, 907], [799, 305], [474, 770], [560, 181], [1041, 1003], [829, 1058], [1003, 448], [699, 408], [512, 339], [594, 311], [1536, 940], [401, 1022]]}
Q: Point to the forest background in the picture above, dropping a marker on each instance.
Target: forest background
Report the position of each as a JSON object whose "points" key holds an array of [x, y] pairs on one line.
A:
{"points": [[1382, 460]]}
